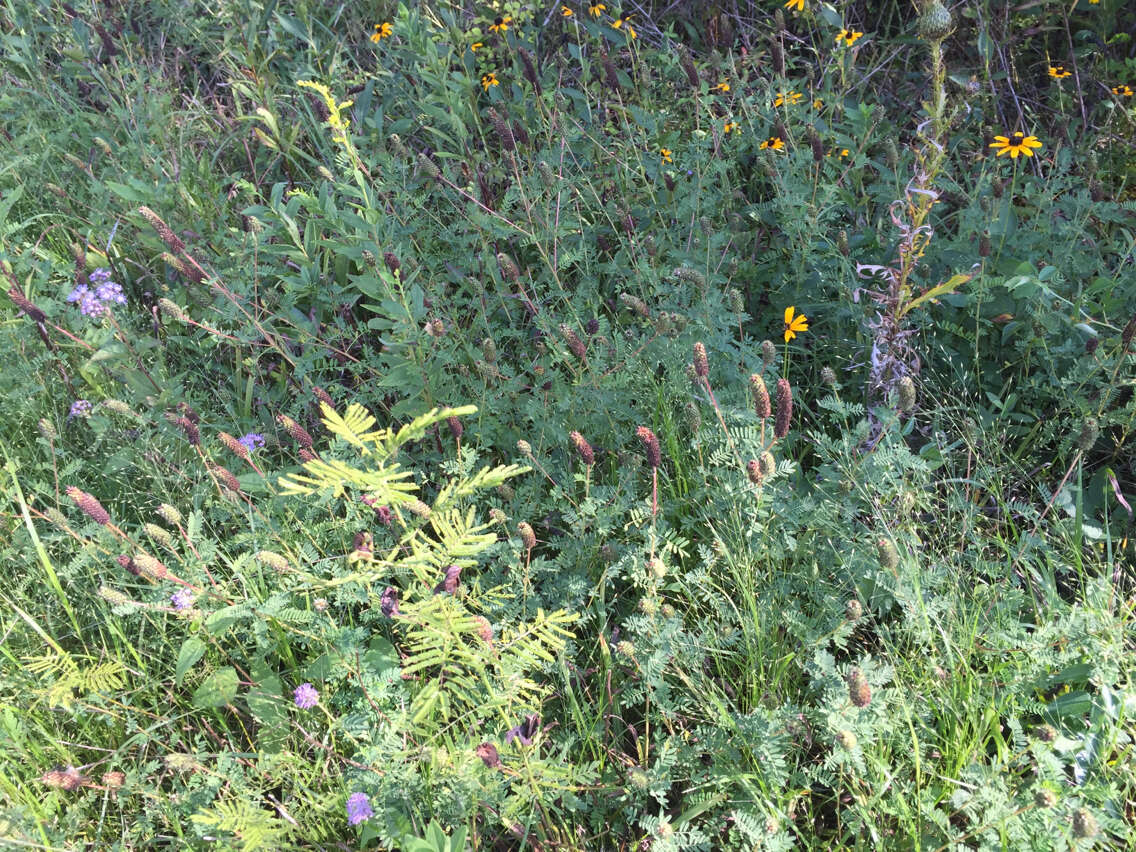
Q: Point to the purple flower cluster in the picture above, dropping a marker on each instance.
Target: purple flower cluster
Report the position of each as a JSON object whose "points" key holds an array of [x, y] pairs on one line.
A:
{"points": [[94, 299], [79, 408], [251, 442], [306, 696], [358, 808], [182, 599]]}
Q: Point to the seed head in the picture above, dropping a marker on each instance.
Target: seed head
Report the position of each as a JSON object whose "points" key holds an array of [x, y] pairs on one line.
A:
{"points": [[169, 514], [1128, 333], [778, 56], [625, 649], [509, 268], [150, 566], [91, 507], [828, 376], [701, 362], [583, 448], [1084, 823], [859, 692], [113, 596], [889, 556], [489, 350], [842, 243], [737, 301], [299, 433], [1046, 733], [69, 778], [906, 393], [651, 445], [753, 471], [575, 344], [691, 276], [167, 235], [693, 417], [984, 244], [428, 167], [114, 780], [25, 305], [528, 537], [504, 134], [47, 429], [768, 464], [688, 66], [226, 477], [846, 740], [760, 395], [1044, 798], [524, 448], [853, 610], [635, 303], [273, 560], [784, 409], [159, 534], [1090, 430], [234, 446], [456, 428], [419, 508], [816, 144], [768, 352], [172, 310]]}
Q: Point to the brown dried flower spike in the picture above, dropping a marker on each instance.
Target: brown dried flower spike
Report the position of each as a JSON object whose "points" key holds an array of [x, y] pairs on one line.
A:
{"points": [[651, 445], [784, 408]]}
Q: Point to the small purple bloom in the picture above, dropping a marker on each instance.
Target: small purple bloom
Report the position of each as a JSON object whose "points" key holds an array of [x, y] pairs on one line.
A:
{"points": [[80, 408], [306, 696], [252, 441], [182, 599], [93, 302], [358, 808], [388, 603], [525, 731]]}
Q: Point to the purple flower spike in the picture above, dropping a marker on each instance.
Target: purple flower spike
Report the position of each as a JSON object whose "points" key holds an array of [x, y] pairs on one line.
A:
{"points": [[306, 697], [358, 808]]}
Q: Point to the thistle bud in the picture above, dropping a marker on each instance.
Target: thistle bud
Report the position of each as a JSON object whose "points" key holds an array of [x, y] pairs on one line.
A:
{"points": [[846, 740], [906, 393], [737, 301], [768, 352], [935, 22], [701, 362], [583, 448], [828, 376], [784, 409], [690, 276], [524, 448], [1044, 798], [528, 537], [859, 691], [651, 445], [1090, 429], [888, 555], [91, 507], [853, 610], [489, 350], [768, 464], [760, 395]]}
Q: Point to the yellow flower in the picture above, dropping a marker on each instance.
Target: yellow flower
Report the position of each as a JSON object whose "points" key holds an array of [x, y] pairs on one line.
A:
{"points": [[335, 119], [790, 98], [1058, 72], [1014, 144], [1093, 2], [500, 24], [722, 87], [489, 79], [619, 22], [596, 9], [476, 46], [842, 153], [566, 12], [1123, 90], [796, 5], [382, 31], [848, 36], [794, 324], [774, 143], [731, 127], [665, 154], [818, 103]]}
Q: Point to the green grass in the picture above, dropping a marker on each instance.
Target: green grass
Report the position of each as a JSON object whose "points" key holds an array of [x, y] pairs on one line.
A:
{"points": [[910, 626]]}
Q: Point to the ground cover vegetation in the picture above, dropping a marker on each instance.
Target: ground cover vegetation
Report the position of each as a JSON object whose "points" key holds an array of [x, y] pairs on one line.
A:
{"points": [[567, 426]]}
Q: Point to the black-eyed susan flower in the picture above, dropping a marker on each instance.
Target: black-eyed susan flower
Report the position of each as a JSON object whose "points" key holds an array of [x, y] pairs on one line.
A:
{"points": [[566, 12], [489, 79], [722, 87], [789, 98], [625, 22], [730, 127], [1015, 144], [774, 143], [795, 5], [500, 23], [794, 323], [596, 9], [665, 155], [1058, 72], [382, 31], [848, 37], [1122, 90], [476, 46]]}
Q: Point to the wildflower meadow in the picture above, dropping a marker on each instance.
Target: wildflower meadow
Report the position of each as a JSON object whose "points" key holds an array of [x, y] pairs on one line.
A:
{"points": [[693, 425]]}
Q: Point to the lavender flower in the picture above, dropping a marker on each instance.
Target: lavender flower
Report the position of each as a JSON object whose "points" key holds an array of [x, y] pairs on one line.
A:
{"points": [[79, 408], [94, 298], [306, 697], [358, 808], [182, 599], [252, 441], [525, 731]]}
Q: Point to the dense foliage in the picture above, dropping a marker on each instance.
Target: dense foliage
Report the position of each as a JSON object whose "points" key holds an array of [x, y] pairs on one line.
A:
{"points": [[437, 427]]}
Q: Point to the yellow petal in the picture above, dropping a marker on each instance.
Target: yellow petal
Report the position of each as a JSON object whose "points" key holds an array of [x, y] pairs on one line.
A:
{"points": [[789, 311]]}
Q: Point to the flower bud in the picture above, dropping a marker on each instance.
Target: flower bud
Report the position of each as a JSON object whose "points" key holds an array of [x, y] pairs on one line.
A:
{"points": [[701, 362], [784, 409], [906, 393], [528, 537], [651, 445], [768, 352], [888, 555], [859, 691]]}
